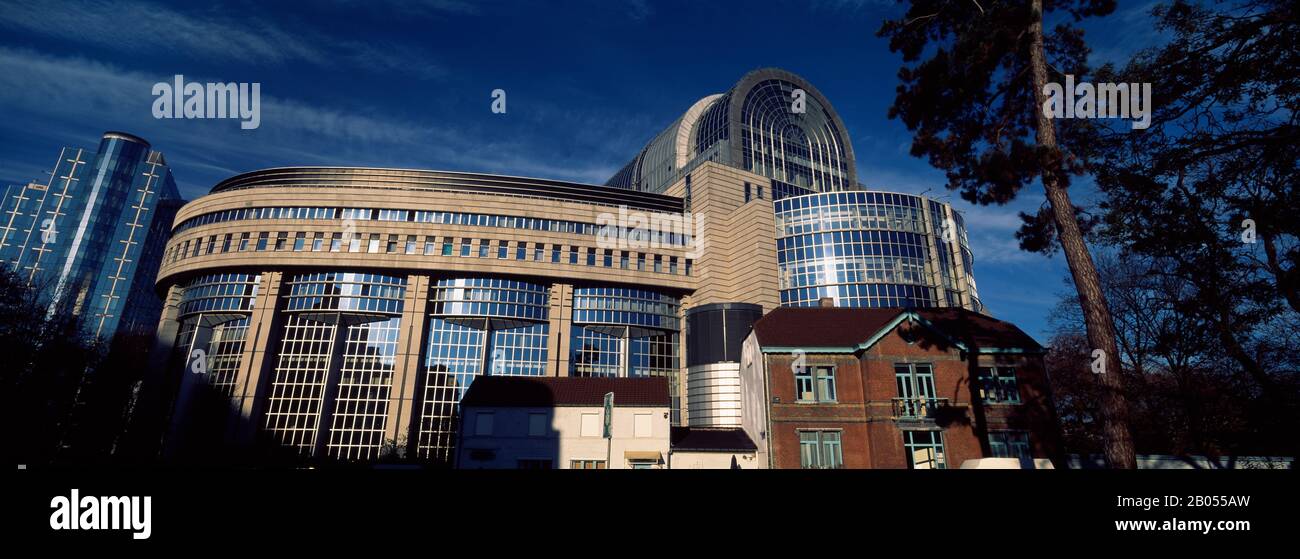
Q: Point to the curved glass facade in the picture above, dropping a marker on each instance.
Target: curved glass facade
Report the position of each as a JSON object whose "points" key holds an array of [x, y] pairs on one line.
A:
{"points": [[330, 389], [94, 233], [625, 306], [461, 275], [712, 127], [219, 293], [224, 348], [871, 249], [625, 332], [801, 148], [478, 326], [345, 291], [494, 297], [760, 125], [214, 310]]}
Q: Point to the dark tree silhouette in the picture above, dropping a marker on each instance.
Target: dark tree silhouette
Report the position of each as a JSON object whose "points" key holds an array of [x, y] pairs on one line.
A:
{"points": [[974, 106], [1222, 149], [1187, 396], [46, 359]]}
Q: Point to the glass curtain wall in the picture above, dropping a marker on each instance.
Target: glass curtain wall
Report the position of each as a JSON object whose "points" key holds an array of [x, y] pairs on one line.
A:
{"points": [[477, 326]]}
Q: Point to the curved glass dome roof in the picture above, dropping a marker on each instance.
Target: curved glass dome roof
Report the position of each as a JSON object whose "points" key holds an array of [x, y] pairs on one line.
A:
{"points": [[753, 126]]}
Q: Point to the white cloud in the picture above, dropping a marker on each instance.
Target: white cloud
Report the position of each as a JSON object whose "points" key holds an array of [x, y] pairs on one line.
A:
{"points": [[68, 94], [136, 27]]}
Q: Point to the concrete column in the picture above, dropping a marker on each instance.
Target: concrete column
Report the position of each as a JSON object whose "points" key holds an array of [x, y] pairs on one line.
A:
{"points": [[561, 322], [679, 381], [625, 360], [258, 358], [403, 397]]}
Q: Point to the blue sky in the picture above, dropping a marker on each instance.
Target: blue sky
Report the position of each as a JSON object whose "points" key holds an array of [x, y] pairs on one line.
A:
{"points": [[407, 84]]}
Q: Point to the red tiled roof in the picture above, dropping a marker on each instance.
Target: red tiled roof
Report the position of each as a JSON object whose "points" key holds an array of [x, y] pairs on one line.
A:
{"points": [[539, 392], [814, 327], [821, 326]]}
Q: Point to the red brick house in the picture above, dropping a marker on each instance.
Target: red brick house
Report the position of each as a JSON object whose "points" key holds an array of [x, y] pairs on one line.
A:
{"points": [[894, 388]]}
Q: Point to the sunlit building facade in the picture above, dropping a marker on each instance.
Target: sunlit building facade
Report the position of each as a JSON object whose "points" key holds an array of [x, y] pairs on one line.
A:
{"points": [[342, 313]]}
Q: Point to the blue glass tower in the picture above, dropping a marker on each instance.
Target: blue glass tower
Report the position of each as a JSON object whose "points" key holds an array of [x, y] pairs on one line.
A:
{"points": [[91, 237]]}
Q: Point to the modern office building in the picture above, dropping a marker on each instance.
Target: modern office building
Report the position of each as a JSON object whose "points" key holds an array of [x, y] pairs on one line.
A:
{"points": [[92, 234], [342, 312]]}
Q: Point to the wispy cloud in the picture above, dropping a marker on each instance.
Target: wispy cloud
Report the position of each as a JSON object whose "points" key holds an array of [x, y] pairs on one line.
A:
{"points": [[136, 26], [151, 26], [70, 92], [638, 9]]}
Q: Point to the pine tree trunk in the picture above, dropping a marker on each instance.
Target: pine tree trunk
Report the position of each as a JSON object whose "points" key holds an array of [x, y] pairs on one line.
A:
{"points": [[1096, 314]]}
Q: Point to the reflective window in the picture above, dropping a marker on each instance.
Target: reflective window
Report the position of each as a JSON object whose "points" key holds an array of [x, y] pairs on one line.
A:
{"points": [[345, 291], [422, 216], [801, 149], [924, 450], [297, 385], [820, 450], [481, 326], [365, 382], [1010, 444], [862, 249], [626, 306], [219, 292], [998, 385], [490, 297]]}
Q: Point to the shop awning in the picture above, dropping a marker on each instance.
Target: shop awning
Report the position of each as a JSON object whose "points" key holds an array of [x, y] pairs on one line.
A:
{"points": [[644, 455]]}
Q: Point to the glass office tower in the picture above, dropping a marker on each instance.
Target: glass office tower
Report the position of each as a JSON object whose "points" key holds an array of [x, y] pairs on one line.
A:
{"points": [[91, 236], [873, 249]]}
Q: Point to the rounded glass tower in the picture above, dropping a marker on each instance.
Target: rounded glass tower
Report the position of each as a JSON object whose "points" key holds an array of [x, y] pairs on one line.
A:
{"points": [[872, 249]]}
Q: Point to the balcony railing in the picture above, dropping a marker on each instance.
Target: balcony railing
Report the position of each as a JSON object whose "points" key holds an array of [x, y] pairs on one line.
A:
{"points": [[918, 408]]}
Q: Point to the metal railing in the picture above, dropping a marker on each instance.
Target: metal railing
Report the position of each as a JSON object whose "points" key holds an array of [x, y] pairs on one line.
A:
{"points": [[918, 407]]}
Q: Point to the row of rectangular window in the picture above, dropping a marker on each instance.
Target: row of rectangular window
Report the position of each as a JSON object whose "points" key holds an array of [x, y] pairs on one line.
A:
{"points": [[395, 244], [539, 425], [997, 385], [436, 217], [924, 450]]}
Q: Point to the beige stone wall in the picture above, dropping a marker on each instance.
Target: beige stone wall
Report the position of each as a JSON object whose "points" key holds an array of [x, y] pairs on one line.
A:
{"points": [[737, 250], [173, 268], [685, 460]]}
